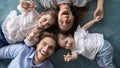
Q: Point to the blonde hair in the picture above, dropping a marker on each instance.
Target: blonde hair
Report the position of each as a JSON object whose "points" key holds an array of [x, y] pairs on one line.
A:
{"points": [[51, 12]]}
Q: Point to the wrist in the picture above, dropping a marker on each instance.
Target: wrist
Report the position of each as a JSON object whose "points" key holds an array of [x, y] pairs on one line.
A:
{"points": [[29, 38], [100, 4]]}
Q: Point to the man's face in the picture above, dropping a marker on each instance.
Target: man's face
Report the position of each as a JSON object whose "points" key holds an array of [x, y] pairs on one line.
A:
{"points": [[66, 42], [65, 19], [46, 21], [45, 49]]}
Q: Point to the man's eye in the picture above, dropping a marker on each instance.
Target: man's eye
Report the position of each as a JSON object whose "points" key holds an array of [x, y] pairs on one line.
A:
{"points": [[44, 43], [52, 48], [48, 24]]}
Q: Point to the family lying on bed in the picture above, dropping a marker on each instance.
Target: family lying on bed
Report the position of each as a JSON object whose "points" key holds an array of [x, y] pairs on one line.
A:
{"points": [[33, 37]]}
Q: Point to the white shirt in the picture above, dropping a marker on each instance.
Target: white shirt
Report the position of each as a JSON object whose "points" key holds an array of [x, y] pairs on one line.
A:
{"points": [[53, 3], [87, 44], [16, 27]]}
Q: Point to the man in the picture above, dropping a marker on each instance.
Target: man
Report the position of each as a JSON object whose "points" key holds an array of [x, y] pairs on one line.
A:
{"points": [[29, 57]]}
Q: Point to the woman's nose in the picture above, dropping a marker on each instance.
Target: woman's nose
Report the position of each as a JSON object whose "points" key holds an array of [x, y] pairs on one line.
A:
{"points": [[65, 19]]}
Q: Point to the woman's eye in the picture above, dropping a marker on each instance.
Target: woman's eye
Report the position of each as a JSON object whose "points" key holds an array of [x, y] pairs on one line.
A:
{"points": [[61, 22]]}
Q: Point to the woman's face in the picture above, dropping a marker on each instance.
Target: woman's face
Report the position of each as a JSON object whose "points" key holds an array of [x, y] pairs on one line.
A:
{"points": [[46, 21], [45, 48], [65, 19], [66, 42]]}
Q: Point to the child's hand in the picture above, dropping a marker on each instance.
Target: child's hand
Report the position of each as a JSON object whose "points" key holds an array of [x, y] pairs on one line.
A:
{"points": [[32, 5], [67, 57], [27, 6], [34, 33], [97, 19], [24, 6], [31, 35]]}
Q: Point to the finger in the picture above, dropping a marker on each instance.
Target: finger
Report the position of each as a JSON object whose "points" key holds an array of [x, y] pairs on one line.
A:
{"points": [[64, 55], [68, 60], [31, 1], [68, 53], [65, 60], [22, 0]]}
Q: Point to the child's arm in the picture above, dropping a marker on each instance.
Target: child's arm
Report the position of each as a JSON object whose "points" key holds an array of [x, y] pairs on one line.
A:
{"points": [[69, 57], [33, 37], [90, 23], [27, 5]]}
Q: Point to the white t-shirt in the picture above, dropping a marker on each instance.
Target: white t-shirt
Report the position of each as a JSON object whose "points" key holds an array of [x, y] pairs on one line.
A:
{"points": [[87, 44], [16, 27], [52, 3]]}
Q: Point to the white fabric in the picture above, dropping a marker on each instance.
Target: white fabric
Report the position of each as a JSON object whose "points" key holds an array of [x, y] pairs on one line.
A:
{"points": [[47, 3], [16, 27], [52, 3], [87, 44], [31, 43]]}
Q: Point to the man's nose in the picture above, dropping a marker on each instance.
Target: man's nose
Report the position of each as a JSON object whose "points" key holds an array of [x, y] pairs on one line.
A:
{"points": [[46, 48]]}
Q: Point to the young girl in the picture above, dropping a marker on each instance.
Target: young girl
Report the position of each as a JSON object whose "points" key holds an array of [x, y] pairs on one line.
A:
{"points": [[90, 45], [16, 27]]}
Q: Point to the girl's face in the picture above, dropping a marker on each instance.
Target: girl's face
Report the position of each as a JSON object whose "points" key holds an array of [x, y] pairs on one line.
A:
{"points": [[66, 42], [46, 21], [45, 48]]}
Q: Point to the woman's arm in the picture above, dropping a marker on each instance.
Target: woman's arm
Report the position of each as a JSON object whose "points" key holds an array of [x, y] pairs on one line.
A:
{"points": [[99, 11]]}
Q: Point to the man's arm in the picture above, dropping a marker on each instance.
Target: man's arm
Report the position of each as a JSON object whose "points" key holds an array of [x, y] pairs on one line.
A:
{"points": [[10, 51]]}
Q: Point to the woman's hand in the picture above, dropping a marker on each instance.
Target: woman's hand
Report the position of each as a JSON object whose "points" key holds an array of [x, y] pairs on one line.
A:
{"points": [[99, 12]]}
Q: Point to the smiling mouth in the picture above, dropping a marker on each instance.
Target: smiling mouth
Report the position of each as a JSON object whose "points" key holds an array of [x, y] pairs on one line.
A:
{"points": [[43, 54], [65, 12], [40, 26]]}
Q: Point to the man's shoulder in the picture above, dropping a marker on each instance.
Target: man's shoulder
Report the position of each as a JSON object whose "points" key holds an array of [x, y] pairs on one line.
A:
{"points": [[21, 46]]}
